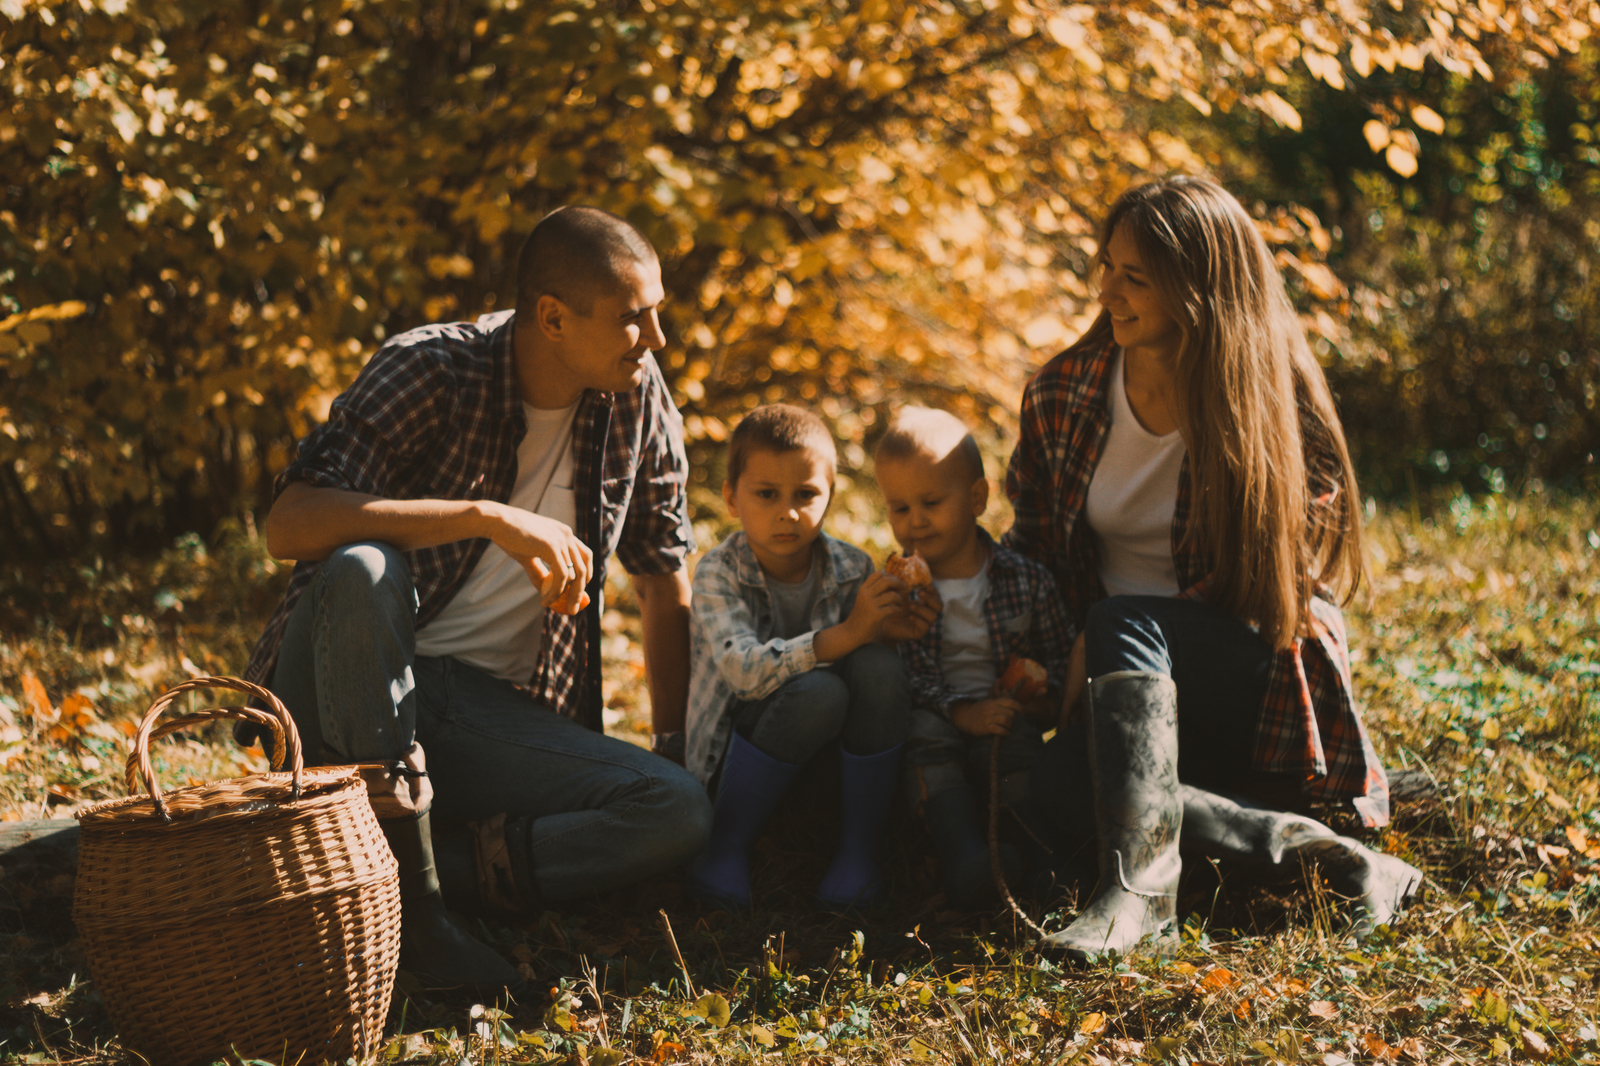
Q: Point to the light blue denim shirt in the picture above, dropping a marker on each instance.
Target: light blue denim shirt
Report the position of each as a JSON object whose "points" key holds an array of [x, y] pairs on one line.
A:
{"points": [[734, 655]]}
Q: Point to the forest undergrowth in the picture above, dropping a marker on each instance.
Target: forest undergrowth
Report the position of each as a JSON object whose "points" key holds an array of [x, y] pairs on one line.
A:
{"points": [[1478, 660]]}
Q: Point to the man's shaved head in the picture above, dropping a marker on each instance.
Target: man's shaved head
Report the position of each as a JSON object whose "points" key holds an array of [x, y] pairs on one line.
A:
{"points": [[578, 254]]}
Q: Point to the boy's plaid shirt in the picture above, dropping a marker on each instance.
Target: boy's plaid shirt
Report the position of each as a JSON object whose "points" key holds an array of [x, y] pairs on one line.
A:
{"points": [[733, 653], [1310, 724], [436, 414], [1023, 615]]}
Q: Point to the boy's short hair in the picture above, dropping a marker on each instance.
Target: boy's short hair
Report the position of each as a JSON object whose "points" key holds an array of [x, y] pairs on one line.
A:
{"points": [[778, 428], [916, 432]]}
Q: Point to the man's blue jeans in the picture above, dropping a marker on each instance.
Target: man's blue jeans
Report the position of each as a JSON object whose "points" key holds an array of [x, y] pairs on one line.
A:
{"points": [[605, 812]]}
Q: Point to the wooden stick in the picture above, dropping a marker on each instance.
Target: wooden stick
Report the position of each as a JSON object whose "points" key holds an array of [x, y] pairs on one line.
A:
{"points": [[666, 926], [994, 839]]}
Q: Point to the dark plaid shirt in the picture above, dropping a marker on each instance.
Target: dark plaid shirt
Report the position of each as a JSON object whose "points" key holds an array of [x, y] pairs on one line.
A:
{"points": [[1310, 724], [436, 414], [1023, 616]]}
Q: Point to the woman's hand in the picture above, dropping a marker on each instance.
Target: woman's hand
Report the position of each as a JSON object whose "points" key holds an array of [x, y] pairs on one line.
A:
{"points": [[986, 718], [1077, 677]]}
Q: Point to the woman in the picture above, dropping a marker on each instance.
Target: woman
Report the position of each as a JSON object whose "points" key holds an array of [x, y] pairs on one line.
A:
{"points": [[1183, 472]]}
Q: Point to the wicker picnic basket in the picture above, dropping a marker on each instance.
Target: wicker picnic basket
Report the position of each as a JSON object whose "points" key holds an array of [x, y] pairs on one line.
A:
{"points": [[255, 918]]}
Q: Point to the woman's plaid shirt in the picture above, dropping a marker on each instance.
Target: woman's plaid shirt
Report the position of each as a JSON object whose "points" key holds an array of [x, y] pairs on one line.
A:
{"points": [[436, 414], [1310, 724]]}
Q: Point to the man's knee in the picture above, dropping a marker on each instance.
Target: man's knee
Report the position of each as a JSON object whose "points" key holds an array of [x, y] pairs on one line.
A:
{"points": [[368, 573], [681, 819]]}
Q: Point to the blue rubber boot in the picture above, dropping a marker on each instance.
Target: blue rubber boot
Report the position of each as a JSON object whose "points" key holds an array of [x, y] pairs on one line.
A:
{"points": [[752, 784], [866, 789]]}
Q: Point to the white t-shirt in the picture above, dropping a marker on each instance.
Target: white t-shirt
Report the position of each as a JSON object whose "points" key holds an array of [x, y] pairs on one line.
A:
{"points": [[496, 621], [1132, 496], [968, 660]]}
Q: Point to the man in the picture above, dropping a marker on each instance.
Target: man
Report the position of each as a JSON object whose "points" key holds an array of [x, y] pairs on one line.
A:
{"points": [[457, 506]]}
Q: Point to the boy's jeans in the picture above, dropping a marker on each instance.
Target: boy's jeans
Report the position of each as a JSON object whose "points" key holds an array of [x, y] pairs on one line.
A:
{"points": [[862, 700], [606, 812], [939, 757]]}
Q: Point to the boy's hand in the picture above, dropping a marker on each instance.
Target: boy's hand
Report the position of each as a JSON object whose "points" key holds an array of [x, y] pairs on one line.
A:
{"points": [[985, 718], [880, 599], [917, 617]]}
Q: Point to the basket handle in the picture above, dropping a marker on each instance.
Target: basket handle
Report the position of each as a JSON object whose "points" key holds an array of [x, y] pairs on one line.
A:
{"points": [[285, 738]]}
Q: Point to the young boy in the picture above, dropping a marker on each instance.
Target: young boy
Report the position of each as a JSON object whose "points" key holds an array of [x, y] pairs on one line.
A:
{"points": [[995, 604], [784, 630]]}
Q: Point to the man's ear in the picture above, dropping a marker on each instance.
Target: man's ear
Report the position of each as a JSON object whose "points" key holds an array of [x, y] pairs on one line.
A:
{"points": [[980, 496], [727, 498], [551, 315]]}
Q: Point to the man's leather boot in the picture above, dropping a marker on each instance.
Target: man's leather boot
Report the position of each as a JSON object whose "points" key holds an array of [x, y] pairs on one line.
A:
{"points": [[433, 946]]}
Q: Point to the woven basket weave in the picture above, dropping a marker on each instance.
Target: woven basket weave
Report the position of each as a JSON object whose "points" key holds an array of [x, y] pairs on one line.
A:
{"points": [[256, 918]]}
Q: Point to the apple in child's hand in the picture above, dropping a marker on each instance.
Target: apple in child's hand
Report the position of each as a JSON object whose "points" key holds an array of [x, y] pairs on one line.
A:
{"points": [[911, 569], [1023, 679]]}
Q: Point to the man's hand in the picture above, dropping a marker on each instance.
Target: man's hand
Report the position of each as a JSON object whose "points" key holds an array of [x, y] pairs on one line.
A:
{"points": [[985, 718], [919, 615], [551, 553]]}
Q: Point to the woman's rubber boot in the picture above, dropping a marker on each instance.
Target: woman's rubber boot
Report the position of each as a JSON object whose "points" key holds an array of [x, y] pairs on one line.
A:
{"points": [[1378, 885], [1133, 738], [962, 845], [866, 790], [433, 946], [752, 784]]}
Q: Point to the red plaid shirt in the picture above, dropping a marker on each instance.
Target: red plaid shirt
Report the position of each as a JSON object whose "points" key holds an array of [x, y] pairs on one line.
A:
{"points": [[1310, 724], [436, 414]]}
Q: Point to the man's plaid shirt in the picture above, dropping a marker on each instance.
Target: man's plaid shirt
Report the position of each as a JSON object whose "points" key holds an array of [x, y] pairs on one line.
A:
{"points": [[1023, 616], [436, 414], [1310, 724]]}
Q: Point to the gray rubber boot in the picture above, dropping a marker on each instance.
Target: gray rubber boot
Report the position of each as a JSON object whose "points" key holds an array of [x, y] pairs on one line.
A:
{"points": [[1133, 744], [1378, 885]]}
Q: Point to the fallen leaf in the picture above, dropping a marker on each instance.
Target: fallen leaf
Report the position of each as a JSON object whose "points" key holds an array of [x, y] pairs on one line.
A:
{"points": [[1092, 1023], [1217, 978], [1377, 1047], [1324, 1009], [37, 700], [1535, 1046], [666, 1051]]}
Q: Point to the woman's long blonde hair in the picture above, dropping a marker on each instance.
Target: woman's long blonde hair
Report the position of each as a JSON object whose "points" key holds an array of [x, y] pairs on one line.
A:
{"points": [[1253, 406]]}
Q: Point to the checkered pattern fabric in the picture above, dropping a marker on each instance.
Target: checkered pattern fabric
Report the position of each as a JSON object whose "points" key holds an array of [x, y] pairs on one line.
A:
{"points": [[1310, 724], [1023, 616], [436, 414]]}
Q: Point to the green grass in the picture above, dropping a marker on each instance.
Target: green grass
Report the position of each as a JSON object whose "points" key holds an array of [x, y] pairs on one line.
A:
{"points": [[1478, 661]]}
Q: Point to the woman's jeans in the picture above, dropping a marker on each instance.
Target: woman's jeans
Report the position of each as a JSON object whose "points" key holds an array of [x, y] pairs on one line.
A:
{"points": [[1219, 664], [605, 812], [863, 699]]}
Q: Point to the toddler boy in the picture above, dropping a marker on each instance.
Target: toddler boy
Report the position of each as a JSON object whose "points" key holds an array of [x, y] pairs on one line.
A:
{"points": [[995, 604], [784, 630]]}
